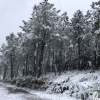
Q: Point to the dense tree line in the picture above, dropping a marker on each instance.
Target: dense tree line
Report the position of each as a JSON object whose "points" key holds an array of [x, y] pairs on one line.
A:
{"points": [[50, 42]]}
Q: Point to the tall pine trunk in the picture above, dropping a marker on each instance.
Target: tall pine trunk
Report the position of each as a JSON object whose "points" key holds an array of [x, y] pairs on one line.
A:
{"points": [[26, 66], [41, 58], [5, 71], [79, 53], [11, 58]]}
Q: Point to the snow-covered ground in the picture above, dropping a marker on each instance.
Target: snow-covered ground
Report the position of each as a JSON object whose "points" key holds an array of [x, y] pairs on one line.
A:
{"points": [[74, 84], [54, 96], [4, 95], [34, 95], [77, 85]]}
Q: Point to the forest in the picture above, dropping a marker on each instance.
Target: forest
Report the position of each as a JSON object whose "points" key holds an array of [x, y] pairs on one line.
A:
{"points": [[51, 42]]}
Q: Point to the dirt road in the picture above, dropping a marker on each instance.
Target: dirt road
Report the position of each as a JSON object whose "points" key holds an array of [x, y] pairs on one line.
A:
{"points": [[8, 92]]}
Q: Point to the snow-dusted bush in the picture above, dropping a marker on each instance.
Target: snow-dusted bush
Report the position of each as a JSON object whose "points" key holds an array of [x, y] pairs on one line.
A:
{"points": [[83, 79]]}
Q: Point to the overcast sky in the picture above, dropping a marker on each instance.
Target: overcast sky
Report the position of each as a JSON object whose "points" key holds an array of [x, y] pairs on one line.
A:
{"points": [[12, 12]]}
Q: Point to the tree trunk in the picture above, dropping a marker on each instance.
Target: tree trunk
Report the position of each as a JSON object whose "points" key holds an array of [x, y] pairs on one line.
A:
{"points": [[12, 74], [17, 71], [26, 66], [95, 59], [5, 71], [41, 58], [79, 53]]}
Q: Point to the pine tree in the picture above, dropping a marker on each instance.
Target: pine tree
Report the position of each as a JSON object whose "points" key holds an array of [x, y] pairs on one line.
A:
{"points": [[96, 29], [41, 25], [78, 26]]}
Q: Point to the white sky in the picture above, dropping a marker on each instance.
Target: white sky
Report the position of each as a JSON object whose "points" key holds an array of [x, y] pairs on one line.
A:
{"points": [[12, 12]]}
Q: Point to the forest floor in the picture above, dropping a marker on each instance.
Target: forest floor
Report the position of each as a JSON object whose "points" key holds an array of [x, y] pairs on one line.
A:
{"points": [[72, 85], [11, 92]]}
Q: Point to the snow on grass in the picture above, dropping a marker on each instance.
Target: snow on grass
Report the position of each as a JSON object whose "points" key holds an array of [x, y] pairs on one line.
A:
{"points": [[76, 84]]}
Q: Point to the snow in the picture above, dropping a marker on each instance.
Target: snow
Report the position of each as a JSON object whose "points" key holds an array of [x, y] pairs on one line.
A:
{"points": [[54, 96], [29, 36], [90, 63], [65, 37], [97, 31], [46, 27], [78, 83], [7, 95], [4, 95], [71, 45], [56, 35], [1, 77]]}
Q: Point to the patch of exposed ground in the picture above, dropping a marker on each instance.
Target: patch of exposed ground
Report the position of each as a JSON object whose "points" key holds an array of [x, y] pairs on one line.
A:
{"points": [[16, 90]]}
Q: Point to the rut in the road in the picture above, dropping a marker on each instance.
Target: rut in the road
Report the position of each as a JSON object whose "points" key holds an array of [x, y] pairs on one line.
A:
{"points": [[27, 96], [16, 90]]}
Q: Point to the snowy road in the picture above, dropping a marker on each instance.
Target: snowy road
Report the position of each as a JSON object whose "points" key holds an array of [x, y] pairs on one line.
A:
{"points": [[10, 92], [13, 93]]}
